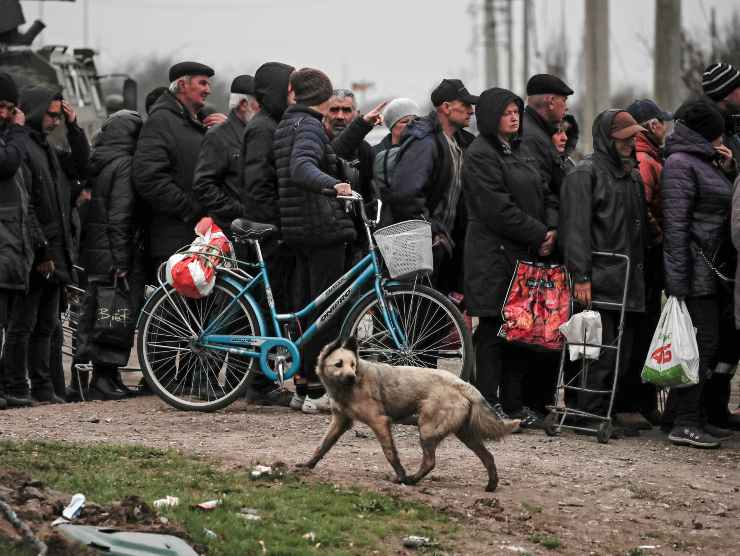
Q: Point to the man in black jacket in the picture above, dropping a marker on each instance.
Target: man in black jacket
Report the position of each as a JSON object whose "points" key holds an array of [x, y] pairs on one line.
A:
{"points": [[426, 182], [218, 175], [602, 208], [721, 84], [547, 104], [16, 249], [49, 173], [166, 154]]}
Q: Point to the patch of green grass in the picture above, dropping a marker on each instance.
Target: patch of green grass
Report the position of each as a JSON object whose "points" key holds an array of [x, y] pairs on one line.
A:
{"points": [[343, 520], [551, 542], [636, 552]]}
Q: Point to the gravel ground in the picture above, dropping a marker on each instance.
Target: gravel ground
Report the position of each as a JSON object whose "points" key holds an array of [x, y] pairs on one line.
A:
{"points": [[596, 499]]}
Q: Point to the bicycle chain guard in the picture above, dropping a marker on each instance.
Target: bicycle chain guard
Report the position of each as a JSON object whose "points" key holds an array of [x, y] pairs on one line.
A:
{"points": [[284, 349]]}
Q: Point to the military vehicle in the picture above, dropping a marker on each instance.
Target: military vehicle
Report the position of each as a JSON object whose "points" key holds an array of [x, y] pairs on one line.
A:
{"points": [[73, 70]]}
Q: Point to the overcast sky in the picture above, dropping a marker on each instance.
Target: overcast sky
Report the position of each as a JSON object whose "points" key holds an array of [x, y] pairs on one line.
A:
{"points": [[403, 46]]}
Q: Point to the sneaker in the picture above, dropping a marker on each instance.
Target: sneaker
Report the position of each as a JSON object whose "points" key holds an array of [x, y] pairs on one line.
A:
{"points": [[296, 402], [499, 411], [718, 432], [318, 405], [693, 436], [528, 418]]}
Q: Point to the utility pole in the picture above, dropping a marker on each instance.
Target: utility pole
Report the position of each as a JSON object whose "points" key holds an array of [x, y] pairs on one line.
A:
{"points": [[510, 41], [85, 24], [667, 83], [489, 37], [525, 50], [596, 55]]}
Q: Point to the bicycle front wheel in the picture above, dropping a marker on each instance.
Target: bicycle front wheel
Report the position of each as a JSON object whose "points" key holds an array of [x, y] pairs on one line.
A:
{"points": [[177, 367], [431, 330]]}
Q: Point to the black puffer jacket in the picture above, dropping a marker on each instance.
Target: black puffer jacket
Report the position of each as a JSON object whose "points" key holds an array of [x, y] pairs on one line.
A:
{"points": [[510, 209], [602, 208], [697, 198], [51, 173], [260, 191], [16, 247], [218, 175], [306, 165], [163, 169], [538, 140], [112, 224]]}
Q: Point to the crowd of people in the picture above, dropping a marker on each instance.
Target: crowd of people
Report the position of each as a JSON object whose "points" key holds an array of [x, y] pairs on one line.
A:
{"points": [[516, 190]]}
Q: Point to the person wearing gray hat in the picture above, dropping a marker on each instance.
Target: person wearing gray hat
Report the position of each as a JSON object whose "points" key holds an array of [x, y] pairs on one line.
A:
{"points": [[397, 114]]}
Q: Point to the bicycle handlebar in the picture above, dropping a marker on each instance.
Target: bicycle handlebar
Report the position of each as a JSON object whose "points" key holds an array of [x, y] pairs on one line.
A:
{"points": [[333, 193]]}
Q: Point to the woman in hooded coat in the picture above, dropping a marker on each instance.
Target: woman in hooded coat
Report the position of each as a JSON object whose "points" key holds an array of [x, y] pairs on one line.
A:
{"points": [[512, 215], [111, 249]]}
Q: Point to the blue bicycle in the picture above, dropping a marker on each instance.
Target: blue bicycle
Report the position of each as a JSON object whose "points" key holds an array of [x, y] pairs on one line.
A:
{"points": [[197, 354]]}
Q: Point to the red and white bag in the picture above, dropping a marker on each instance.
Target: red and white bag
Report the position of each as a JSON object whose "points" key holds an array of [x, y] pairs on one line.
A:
{"points": [[193, 273]]}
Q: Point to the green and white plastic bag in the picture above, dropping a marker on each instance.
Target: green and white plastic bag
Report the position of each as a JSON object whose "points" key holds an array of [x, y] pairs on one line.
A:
{"points": [[673, 358]]}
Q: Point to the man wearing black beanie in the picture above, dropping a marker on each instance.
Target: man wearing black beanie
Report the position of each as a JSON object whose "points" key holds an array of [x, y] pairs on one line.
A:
{"points": [[721, 85]]}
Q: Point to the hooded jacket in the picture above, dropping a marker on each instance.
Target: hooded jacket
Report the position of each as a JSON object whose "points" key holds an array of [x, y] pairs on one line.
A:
{"points": [[218, 175], [650, 159], [260, 188], [537, 137], [510, 209], [111, 224], [602, 208], [50, 172], [697, 198], [163, 170], [306, 165], [16, 246]]}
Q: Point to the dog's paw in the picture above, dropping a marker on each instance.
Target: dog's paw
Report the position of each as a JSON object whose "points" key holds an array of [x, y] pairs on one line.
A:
{"points": [[491, 486]]}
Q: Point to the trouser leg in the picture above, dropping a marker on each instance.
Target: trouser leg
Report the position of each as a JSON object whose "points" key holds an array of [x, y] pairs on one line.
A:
{"points": [[489, 357], [39, 345], [515, 363], [22, 322], [56, 365]]}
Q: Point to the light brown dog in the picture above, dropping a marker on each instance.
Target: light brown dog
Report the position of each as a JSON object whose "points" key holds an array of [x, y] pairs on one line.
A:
{"points": [[378, 394]]}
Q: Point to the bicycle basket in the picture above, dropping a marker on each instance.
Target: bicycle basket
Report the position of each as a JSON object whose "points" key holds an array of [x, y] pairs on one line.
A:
{"points": [[406, 248]]}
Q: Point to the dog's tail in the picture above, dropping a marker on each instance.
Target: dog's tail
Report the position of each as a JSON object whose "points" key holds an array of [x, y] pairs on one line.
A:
{"points": [[483, 421]]}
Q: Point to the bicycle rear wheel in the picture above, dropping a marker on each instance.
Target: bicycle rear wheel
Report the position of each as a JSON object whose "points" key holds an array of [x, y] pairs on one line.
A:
{"points": [[433, 328], [183, 372]]}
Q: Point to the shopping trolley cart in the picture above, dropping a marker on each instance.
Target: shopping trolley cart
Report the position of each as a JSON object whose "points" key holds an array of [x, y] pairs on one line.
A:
{"points": [[577, 380]]}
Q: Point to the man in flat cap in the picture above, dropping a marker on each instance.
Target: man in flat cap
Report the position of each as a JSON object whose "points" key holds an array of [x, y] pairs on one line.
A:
{"points": [[426, 182], [547, 104], [218, 174], [602, 208], [165, 159]]}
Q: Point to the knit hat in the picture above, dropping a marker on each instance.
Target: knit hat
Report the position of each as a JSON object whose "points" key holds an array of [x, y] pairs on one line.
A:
{"points": [[719, 80], [624, 126], [8, 89], [703, 117], [152, 97], [399, 108], [311, 86]]}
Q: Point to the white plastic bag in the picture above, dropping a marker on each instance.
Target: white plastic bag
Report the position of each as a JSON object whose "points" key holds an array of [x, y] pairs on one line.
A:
{"points": [[583, 328], [673, 359]]}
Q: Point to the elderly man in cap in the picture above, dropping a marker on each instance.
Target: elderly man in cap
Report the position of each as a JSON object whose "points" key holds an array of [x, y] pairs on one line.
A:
{"points": [[218, 174], [397, 114], [721, 84], [165, 160], [547, 104], [602, 208], [426, 182]]}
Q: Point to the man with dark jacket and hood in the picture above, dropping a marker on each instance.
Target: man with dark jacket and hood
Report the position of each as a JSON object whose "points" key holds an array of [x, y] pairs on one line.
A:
{"points": [[16, 249], [218, 175], [602, 208], [721, 84], [426, 182], [165, 159], [49, 172]]}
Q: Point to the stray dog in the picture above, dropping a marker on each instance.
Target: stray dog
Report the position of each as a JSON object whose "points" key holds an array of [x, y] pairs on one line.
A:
{"points": [[378, 394]]}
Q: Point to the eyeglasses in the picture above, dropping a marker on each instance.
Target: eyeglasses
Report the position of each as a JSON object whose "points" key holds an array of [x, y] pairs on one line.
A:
{"points": [[54, 115]]}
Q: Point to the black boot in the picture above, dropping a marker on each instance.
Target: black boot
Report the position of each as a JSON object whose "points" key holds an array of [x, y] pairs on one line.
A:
{"points": [[118, 382], [103, 387]]}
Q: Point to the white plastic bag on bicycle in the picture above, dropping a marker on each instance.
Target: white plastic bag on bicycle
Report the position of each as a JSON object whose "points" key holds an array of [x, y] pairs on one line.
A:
{"points": [[673, 358], [583, 328]]}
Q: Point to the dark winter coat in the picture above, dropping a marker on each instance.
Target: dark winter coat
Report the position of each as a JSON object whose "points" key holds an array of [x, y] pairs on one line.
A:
{"points": [[16, 246], [510, 209], [602, 208], [423, 172], [163, 170], [697, 197], [357, 157], [537, 138], [218, 175], [731, 138], [307, 165], [51, 173], [385, 144], [260, 184], [735, 230], [112, 227]]}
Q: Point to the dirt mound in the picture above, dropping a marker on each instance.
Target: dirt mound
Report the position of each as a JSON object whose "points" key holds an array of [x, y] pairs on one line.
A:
{"points": [[38, 506]]}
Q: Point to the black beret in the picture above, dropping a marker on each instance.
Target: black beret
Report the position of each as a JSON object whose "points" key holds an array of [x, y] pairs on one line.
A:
{"points": [[189, 68], [8, 89], [243, 85], [545, 84]]}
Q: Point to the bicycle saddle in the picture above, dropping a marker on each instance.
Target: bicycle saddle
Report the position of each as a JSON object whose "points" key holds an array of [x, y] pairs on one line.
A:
{"points": [[246, 229]]}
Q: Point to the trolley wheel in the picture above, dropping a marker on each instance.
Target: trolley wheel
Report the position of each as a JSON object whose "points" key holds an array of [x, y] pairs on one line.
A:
{"points": [[604, 433], [551, 424]]}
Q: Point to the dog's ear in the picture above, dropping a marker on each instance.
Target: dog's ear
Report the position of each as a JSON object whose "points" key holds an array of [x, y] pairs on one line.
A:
{"points": [[350, 344], [328, 348]]}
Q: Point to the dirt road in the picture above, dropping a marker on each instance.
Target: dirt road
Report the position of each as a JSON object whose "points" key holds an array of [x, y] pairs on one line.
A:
{"points": [[592, 498]]}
